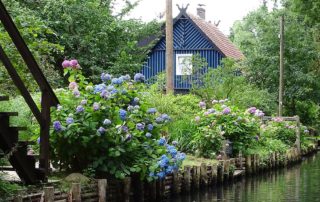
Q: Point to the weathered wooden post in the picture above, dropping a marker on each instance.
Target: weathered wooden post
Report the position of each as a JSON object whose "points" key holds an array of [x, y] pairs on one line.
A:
{"points": [[220, 171], [102, 190], [214, 171], [196, 177], [49, 194], [226, 166], [176, 183], [76, 192], [169, 48], [248, 165], [187, 178], [204, 174], [19, 196], [298, 143]]}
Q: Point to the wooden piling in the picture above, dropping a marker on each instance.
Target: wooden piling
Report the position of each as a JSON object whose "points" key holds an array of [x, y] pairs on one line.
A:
{"points": [[220, 171], [76, 192], [176, 183], [196, 177], [204, 174], [49, 194], [126, 189], [248, 165], [187, 178]]}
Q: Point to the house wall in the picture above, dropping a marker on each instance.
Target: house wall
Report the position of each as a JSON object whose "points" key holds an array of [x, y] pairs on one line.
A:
{"points": [[187, 40]]}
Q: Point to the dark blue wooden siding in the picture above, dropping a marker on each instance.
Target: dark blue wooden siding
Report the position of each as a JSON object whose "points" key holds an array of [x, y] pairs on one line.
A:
{"points": [[187, 40]]}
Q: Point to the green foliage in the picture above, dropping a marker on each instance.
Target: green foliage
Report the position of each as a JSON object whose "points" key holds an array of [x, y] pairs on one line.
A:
{"points": [[257, 37], [93, 33], [227, 81], [222, 122], [38, 37], [111, 129], [7, 189]]}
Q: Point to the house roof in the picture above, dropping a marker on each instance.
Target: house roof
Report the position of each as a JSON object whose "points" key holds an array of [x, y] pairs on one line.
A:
{"points": [[210, 31], [216, 37]]}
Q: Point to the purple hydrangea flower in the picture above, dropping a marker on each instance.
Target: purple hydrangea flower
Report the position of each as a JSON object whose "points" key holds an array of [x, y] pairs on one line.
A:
{"points": [[150, 127], [128, 137], [226, 110], [122, 114], [211, 111], [79, 109], [66, 64], [140, 126], [69, 120], [105, 77], [106, 122], [57, 126], [202, 105], [181, 156], [139, 77], [101, 130], [252, 110], [83, 102], [152, 111], [74, 63], [76, 92], [96, 106], [124, 129], [73, 85], [104, 94], [148, 135], [166, 117]]}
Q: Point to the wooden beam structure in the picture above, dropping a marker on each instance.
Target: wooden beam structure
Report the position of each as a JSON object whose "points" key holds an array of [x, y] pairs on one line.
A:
{"points": [[169, 48]]}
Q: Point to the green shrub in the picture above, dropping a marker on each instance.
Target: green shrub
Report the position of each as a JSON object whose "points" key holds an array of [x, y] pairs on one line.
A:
{"points": [[110, 127]]}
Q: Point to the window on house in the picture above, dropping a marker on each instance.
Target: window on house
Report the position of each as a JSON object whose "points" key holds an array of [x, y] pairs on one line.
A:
{"points": [[184, 64]]}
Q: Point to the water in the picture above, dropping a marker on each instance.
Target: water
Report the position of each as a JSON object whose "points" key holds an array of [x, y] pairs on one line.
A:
{"points": [[298, 183]]}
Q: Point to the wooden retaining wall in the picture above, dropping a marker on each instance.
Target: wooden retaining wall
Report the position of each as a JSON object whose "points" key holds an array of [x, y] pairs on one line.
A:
{"points": [[187, 179]]}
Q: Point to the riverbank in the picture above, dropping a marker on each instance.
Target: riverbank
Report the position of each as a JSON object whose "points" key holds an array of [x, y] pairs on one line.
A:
{"points": [[187, 180]]}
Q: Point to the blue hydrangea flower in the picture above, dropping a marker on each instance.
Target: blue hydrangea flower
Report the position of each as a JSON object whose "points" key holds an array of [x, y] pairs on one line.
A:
{"points": [[38, 140], [140, 126], [124, 129], [99, 88], [169, 169], [165, 117], [124, 91], [152, 111], [150, 127], [159, 120], [57, 126], [137, 107], [59, 107], [101, 130], [139, 77], [117, 81], [148, 135], [151, 174], [76, 92], [69, 120], [114, 91], [79, 109], [104, 94], [175, 143], [130, 108], [162, 141], [123, 114], [135, 101], [105, 77], [106, 122], [181, 156], [161, 175], [110, 88]]}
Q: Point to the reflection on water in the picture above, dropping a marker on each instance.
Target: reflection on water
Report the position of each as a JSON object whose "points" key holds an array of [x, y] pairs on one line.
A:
{"points": [[298, 183]]}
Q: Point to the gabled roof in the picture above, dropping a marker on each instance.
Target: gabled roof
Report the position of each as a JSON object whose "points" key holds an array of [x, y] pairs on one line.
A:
{"points": [[210, 32], [215, 36]]}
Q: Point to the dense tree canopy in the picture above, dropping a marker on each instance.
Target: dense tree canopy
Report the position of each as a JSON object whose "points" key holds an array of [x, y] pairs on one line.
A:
{"points": [[257, 35]]}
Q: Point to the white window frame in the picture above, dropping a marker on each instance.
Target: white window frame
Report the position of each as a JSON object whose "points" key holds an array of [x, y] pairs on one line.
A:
{"points": [[186, 68]]}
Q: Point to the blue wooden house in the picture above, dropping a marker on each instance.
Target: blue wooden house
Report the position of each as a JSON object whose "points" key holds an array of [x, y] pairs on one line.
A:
{"points": [[192, 35]]}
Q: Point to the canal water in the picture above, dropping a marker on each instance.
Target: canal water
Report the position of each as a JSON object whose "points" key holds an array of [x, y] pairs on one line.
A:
{"points": [[298, 183]]}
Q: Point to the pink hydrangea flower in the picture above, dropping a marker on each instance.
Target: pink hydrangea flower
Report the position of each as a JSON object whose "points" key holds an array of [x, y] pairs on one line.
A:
{"points": [[74, 63], [66, 64]]}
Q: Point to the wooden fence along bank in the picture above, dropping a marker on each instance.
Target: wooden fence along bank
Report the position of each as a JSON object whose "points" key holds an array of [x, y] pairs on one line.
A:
{"points": [[187, 179]]}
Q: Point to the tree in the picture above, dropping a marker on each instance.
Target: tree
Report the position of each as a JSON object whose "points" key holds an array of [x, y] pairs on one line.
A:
{"points": [[92, 32], [257, 37], [37, 35]]}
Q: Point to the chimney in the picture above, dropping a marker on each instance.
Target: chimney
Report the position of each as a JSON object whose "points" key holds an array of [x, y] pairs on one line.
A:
{"points": [[201, 13]]}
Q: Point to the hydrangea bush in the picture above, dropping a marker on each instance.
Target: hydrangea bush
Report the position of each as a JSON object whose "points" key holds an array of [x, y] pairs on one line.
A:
{"points": [[219, 121], [109, 128]]}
